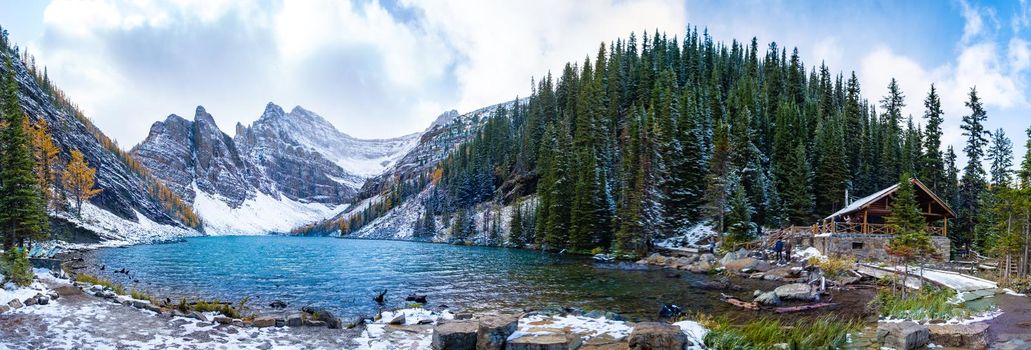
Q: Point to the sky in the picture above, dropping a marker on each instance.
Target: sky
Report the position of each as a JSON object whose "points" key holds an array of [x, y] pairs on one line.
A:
{"points": [[384, 68]]}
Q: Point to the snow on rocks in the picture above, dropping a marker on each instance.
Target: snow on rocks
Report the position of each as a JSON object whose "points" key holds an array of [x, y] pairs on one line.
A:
{"points": [[37, 293], [116, 231], [695, 333], [810, 252], [693, 238]]}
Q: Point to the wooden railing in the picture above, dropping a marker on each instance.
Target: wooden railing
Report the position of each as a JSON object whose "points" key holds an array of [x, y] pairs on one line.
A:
{"points": [[854, 227]]}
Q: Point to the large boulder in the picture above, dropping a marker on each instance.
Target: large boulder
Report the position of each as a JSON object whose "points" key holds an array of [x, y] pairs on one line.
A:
{"points": [[326, 316], [731, 256], [707, 257], [539, 338], [702, 266], [970, 336], [15, 304], [656, 336], [455, 335], [780, 274], [905, 335], [797, 291], [294, 320], [494, 330]]}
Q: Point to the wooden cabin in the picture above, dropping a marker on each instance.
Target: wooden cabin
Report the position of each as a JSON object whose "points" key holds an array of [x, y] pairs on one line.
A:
{"points": [[860, 230], [869, 214]]}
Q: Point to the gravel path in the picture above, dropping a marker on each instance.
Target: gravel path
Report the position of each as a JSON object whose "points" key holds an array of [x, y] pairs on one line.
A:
{"points": [[79, 321]]}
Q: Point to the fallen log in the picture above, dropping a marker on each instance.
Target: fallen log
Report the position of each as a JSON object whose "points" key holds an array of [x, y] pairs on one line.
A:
{"points": [[787, 309], [739, 303]]}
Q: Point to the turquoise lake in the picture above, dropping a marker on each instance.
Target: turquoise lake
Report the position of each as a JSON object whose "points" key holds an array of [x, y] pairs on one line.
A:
{"points": [[344, 275]]}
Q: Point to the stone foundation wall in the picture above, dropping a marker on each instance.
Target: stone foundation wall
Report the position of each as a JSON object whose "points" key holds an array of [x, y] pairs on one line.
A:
{"points": [[867, 246]]}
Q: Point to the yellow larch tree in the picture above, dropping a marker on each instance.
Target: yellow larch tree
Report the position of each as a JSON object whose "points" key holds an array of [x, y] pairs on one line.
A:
{"points": [[79, 179]]}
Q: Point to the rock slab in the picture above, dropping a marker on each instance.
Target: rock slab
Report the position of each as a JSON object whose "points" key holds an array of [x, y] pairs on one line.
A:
{"points": [[905, 335], [493, 331], [656, 336], [973, 336], [455, 335]]}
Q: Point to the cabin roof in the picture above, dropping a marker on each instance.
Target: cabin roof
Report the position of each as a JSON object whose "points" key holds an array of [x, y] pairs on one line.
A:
{"points": [[866, 201]]}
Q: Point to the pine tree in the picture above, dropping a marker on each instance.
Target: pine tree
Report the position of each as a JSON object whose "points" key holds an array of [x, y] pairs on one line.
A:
{"points": [[911, 240], [78, 179], [933, 166], [515, 232], [973, 181], [22, 212], [891, 137], [739, 218], [951, 190], [798, 195], [1000, 154], [830, 183]]}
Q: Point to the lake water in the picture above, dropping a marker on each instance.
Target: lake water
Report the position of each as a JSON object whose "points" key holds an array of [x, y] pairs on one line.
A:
{"points": [[344, 275]]}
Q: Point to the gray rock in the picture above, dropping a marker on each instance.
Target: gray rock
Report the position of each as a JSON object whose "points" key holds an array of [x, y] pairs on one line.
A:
{"points": [[294, 320], [970, 336], [797, 291], [768, 299], [42, 300], [264, 321], [731, 256], [152, 307], [238, 322], [707, 257], [30, 301], [747, 264], [455, 335], [198, 316], [139, 304], [396, 318], [655, 336], [223, 320], [494, 330], [15, 304], [324, 315], [4, 308], [905, 335]]}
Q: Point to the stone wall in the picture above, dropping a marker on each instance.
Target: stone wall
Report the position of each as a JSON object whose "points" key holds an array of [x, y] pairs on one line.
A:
{"points": [[867, 246]]}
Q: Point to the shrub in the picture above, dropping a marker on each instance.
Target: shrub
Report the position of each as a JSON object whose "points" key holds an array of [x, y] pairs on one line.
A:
{"points": [[597, 250], [216, 306], [833, 266], [15, 267], [139, 295]]}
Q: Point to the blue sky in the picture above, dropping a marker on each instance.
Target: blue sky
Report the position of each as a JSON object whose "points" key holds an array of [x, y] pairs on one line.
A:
{"points": [[387, 68]]}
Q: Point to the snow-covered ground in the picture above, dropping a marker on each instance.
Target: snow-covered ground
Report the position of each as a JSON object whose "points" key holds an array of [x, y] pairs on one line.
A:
{"points": [[259, 215], [117, 231], [690, 239]]}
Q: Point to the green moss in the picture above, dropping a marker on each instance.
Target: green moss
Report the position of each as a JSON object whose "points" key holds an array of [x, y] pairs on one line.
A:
{"points": [[216, 306]]}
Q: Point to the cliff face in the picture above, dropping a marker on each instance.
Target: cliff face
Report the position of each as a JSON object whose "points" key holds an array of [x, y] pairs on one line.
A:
{"points": [[128, 193], [283, 170]]}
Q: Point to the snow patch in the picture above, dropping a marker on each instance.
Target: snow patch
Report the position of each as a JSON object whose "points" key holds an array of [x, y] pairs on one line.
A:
{"points": [[117, 231], [695, 333], [259, 215]]}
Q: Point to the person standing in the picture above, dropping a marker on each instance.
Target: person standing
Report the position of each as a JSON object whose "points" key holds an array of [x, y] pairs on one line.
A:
{"points": [[778, 249], [787, 250]]}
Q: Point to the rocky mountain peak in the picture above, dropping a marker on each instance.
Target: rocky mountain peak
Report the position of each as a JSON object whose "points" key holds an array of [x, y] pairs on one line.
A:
{"points": [[272, 111], [443, 119]]}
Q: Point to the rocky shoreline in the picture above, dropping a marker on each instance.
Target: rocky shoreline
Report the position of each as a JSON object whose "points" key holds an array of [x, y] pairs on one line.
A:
{"points": [[441, 328]]}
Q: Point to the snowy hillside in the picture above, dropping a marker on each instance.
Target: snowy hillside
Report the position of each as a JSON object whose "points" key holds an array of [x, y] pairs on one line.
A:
{"points": [[258, 215]]}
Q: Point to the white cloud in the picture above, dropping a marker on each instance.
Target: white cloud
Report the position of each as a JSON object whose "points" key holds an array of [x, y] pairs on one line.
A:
{"points": [[370, 71]]}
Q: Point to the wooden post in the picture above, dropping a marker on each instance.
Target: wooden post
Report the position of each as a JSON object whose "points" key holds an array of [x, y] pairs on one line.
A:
{"points": [[945, 229], [866, 226]]}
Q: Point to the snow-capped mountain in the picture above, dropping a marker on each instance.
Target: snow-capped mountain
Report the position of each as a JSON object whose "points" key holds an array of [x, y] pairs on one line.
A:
{"points": [[444, 135], [284, 170]]}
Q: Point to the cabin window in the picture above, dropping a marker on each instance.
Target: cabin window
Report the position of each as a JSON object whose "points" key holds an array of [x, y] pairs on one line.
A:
{"points": [[857, 245]]}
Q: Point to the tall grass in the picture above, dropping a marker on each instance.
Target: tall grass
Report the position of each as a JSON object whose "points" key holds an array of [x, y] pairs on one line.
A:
{"points": [[929, 303], [833, 266], [770, 334]]}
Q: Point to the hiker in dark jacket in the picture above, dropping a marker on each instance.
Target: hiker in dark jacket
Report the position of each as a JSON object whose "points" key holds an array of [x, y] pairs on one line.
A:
{"points": [[778, 248]]}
